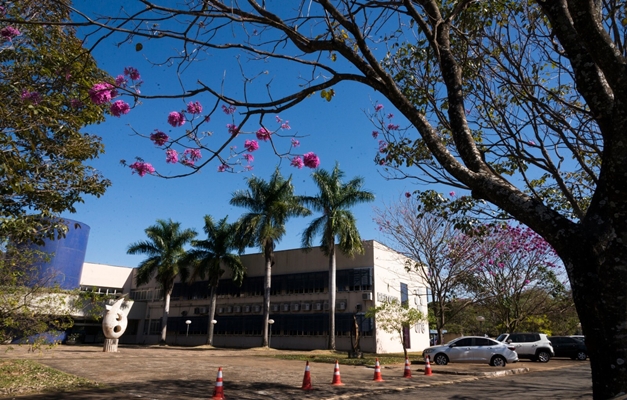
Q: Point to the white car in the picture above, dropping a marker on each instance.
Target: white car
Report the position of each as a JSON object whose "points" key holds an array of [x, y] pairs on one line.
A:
{"points": [[534, 346], [472, 349]]}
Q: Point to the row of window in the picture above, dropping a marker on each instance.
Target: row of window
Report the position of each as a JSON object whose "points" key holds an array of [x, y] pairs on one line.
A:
{"points": [[358, 279], [147, 294], [284, 325]]}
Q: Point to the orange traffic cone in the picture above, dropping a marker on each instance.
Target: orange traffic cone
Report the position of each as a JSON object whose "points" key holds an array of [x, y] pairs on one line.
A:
{"points": [[427, 367], [218, 391], [337, 381], [407, 373], [307, 378], [377, 372]]}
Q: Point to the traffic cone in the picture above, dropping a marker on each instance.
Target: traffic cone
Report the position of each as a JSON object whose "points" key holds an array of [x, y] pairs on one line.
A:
{"points": [[337, 381], [218, 391], [377, 372], [427, 367], [307, 378], [407, 373]]}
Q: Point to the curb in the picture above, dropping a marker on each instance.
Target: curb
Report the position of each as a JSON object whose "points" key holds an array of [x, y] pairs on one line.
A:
{"points": [[470, 373]]}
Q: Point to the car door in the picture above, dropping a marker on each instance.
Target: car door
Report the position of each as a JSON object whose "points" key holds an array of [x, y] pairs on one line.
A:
{"points": [[483, 349], [460, 350], [518, 340], [559, 347]]}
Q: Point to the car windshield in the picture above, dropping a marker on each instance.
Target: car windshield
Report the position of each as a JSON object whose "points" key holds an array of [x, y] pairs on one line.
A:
{"points": [[501, 337]]}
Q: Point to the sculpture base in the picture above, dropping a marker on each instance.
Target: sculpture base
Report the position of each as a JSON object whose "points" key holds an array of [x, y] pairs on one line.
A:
{"points": [[110, 346]]}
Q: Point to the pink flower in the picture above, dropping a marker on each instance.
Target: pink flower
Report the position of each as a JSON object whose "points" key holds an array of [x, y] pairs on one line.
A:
{"points": [[375, 134], [192, 155], [527, 281], [9, 32], [390, 116], [407, 194], [249, 157], [233, 130], [392, 127], [34, 97], [132, 72], [228, 110], [311, 160], [251, 145], [286, 126], [278, 119], [295, 143], [142, 168], [171, 156], [76, 103], [297, 162], [222, 167], [101, 93], [263, 134], [531, 142], [382, 146], [119, 107], [120, 80], [452, 194], [175, 119], [159, 138], [207, 118], [194, 107], [378, 107]]}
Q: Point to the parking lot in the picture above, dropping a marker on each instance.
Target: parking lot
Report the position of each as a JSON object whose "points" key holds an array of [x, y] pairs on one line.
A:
{"points": [[190, 373]]}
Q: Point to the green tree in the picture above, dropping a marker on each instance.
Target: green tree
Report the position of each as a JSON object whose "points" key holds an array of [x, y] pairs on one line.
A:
{"points": [[270, 205], [336, 222], [393, 317], [45, 75], [523, 104], [209, 256], [165, 249]]}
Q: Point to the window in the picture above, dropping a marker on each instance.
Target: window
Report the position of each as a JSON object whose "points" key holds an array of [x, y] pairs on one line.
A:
{"points": [[464, 342], [155, 327], [404, 295], [484, 342]]}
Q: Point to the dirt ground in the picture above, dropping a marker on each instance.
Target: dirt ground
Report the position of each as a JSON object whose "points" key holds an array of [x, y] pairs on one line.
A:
{"points": [[190, 373]]}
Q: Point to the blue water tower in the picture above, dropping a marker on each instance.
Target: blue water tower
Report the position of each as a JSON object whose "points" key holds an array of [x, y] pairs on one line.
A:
{"points": [[67, 256]]}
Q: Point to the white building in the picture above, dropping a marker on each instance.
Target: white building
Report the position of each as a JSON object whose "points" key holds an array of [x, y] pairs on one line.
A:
{"points": [[299, 302]]}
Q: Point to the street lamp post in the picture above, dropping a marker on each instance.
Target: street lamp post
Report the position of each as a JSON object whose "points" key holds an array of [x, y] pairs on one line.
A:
{"points": [[188, 323], [270, 322], [480, 318]]}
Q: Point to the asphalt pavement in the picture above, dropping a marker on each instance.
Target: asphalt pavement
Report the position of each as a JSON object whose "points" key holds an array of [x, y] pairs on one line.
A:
{"points": [[187, 373]]}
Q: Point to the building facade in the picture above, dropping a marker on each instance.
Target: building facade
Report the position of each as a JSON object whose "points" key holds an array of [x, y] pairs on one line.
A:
{"points": [[299, 303]]}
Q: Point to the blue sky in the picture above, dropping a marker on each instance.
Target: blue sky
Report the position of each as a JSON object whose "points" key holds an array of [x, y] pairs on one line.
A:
{"points": [[337, 131]]}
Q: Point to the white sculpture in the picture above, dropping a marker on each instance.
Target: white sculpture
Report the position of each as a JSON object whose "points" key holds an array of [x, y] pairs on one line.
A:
{"points": [[114, 324]]}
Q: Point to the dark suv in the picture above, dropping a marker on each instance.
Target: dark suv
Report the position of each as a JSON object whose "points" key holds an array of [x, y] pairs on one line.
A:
{"points": [[534, 346], [565, 346]]}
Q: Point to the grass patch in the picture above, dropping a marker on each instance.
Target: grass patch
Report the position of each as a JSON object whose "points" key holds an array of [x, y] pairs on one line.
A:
{"points": [[342, 358], [19, 377]]}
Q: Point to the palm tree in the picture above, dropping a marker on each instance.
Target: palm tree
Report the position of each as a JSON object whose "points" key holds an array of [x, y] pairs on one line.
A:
{"points": [[164, 249], [271, 204], [333, 201], [208, 256]]}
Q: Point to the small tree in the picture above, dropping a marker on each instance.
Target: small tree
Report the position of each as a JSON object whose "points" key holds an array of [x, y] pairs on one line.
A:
{"points": [[392, 317]]}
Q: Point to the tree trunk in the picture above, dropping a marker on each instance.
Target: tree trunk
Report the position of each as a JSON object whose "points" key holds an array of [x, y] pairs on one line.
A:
{"points": [[164, 320], [332, 292], [269, 253], [212, 314], [110, 346], [598, 285]]}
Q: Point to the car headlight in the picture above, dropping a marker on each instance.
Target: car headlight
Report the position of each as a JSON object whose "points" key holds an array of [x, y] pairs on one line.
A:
{"points": [[427, 351]]}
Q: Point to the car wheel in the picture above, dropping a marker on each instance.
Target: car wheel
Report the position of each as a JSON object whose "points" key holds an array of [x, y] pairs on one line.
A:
{"points": [[543, 356], [498, 361], [440, 359], [581, 356]]}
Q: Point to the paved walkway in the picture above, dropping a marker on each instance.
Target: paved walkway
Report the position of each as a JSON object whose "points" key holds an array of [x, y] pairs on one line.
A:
{"points": [[190, 373]]}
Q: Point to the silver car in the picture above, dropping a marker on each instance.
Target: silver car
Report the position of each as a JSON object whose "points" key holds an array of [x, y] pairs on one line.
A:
{"points": [[474, 349]]}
